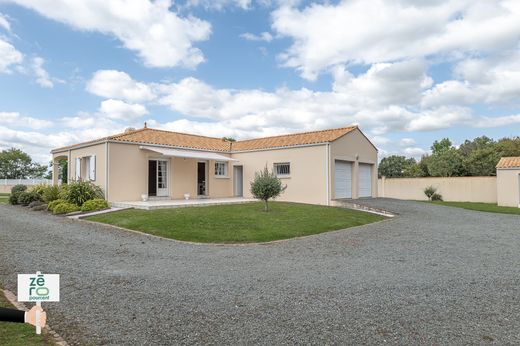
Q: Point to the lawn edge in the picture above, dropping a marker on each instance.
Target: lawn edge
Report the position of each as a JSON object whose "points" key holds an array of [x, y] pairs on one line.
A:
{"points": [[55, 337], [271, 242], [469, 209]]}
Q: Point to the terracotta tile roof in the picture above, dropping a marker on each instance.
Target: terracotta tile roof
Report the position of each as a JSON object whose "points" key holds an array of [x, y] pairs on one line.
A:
{"points": [[509, 162], [183, 140], [313, 137]]}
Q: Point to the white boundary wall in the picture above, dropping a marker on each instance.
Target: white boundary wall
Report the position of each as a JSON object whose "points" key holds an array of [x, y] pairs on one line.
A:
{"points": [[7, 184], [460, 189]]}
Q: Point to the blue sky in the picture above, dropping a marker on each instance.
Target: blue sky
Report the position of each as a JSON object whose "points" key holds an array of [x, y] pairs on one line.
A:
{"points": [[408, 72]]}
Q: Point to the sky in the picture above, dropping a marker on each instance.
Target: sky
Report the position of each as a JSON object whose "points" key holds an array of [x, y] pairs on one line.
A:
{"points": [[407, 72]]}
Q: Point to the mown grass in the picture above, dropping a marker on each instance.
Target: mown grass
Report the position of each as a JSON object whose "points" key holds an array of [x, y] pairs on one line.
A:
{"points": [[486, 207], [20, 334], [4, 198], [238, 223]]}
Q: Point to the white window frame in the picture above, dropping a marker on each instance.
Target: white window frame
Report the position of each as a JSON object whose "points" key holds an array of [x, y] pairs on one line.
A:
{"points": [[223, 172], [278, 165]]}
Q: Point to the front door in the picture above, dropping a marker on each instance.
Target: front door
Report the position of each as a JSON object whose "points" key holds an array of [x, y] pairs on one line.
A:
{"points": [[158, 178], [239, 180], [201, 178]]}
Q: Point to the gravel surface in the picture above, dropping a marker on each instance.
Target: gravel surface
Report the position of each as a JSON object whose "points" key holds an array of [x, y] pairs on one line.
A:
{"points": [[431, 275]]}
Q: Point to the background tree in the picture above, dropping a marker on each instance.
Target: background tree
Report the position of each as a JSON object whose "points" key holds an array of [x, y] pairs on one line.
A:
{"points": [[445, 160], [396, 166], [15, 164], [266, 185]]}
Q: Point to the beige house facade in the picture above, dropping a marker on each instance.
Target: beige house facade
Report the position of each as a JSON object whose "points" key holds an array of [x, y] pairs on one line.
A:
{"points": [[317, 167], [508, 182]]}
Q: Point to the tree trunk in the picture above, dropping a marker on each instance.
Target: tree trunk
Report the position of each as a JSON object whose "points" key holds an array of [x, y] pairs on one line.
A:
{"points": [[266, 207]]}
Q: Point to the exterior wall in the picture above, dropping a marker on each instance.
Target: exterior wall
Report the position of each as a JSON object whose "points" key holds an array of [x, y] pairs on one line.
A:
{"points": [[458, 189], [355, 148], [99, 151], [508, 189], [307, 181], [220, 186], [183, 177]]}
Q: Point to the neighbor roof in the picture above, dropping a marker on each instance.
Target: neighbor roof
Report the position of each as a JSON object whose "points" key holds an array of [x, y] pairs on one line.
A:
{"points": [[509, 162], [183, 140]]}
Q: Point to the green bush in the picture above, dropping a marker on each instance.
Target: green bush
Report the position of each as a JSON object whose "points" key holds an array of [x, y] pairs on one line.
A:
{"points": [[266, 185], [94, 204], [63, 191], [39, 189], [13, 198], [51, 193], [436, 197], [429, 192], [64, 208], [18, 188], [51, 205], [78, 192], [25, 198]]}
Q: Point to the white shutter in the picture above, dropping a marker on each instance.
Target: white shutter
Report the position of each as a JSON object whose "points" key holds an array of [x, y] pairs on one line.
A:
{"points": [[78, 168], [92, 166]]}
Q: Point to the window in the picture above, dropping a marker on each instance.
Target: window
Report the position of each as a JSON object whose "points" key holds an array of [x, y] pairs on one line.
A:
{"points": [[282, 169], [221, 169]]}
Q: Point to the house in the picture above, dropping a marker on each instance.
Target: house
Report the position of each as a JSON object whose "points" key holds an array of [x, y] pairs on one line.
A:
{"points": [[508, 182], [317, 166]]}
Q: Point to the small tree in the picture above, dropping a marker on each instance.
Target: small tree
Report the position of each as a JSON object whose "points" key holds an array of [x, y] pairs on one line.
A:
{"points": [[266, 185], [429, 192]]}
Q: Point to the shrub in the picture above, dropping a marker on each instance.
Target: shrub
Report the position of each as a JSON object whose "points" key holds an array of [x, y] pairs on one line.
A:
{"points": [[64, 208], [40, 207], [18, 188], [25, 198], [436, 197], [13, 198], [94, 204], [63, 191], [51, 205], [429, 192], [266, 185], [78, 192], [39, 189], [51, 193]]}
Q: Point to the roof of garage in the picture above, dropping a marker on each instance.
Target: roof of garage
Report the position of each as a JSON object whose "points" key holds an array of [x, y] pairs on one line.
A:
{"points": [[509, 162]]}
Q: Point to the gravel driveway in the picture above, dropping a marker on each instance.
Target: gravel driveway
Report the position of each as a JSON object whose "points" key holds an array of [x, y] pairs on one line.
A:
{"points": [[432, 275]]}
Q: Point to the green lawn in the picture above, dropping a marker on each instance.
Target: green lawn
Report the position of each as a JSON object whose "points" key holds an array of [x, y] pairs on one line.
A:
{"points": [[487, 207], [19, 334], [4, 198], [238, 223]]}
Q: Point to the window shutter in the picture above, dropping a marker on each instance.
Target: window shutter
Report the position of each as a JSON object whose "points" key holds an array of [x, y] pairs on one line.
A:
{"points": [[92, 173], [78, 168]]}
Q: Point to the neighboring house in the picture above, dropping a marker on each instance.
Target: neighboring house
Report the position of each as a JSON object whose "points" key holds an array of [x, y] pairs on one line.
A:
{"points": [[508, 182], [317, 167]]}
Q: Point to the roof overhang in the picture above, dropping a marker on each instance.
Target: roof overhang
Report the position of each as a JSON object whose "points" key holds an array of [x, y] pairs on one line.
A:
{"points": [[191, 154]]}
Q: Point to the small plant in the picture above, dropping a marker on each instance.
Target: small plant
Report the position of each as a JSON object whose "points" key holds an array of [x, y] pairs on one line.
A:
{"points": [[94, 204], [39, 189], [51, 205], [266, 185], [63, 191], [18, 188], [429, 192], [13, 198], [78, 192], [64, 208], [436, 197], [51, 193], [25, 198]]}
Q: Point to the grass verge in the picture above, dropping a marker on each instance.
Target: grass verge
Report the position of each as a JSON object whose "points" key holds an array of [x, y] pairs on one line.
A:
{"points": [[4, 198], [20, 334], [238, 223], [486, 207]]}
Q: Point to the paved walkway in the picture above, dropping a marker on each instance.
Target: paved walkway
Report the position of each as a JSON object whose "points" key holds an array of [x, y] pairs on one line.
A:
{"points": [[432, 275]]}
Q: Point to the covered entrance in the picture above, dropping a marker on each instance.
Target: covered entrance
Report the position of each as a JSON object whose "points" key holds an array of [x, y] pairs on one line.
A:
{"points": [[158, 178], [201, 178]]}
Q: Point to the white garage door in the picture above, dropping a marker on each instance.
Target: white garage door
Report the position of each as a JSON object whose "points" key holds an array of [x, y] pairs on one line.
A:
{"points": [[365, 180], [343, 179]]}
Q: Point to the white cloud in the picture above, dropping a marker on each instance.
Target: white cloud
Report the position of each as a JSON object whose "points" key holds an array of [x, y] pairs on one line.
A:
{"points": [[117, 109], [4, 23], [159, 36], [264, 36], [441, 118], [8, 56], [42, 76], [406, 142], [17, 120], [377, 31], [415, 152], [219, 4], [117, 84]]}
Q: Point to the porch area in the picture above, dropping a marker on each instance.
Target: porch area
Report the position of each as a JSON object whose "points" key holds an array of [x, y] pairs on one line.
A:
{"points": [[180, 203]]}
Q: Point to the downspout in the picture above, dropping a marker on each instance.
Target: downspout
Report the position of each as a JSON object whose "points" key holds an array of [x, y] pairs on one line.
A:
{"points": [[106, 171], [327, 168], [68, 169]]}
